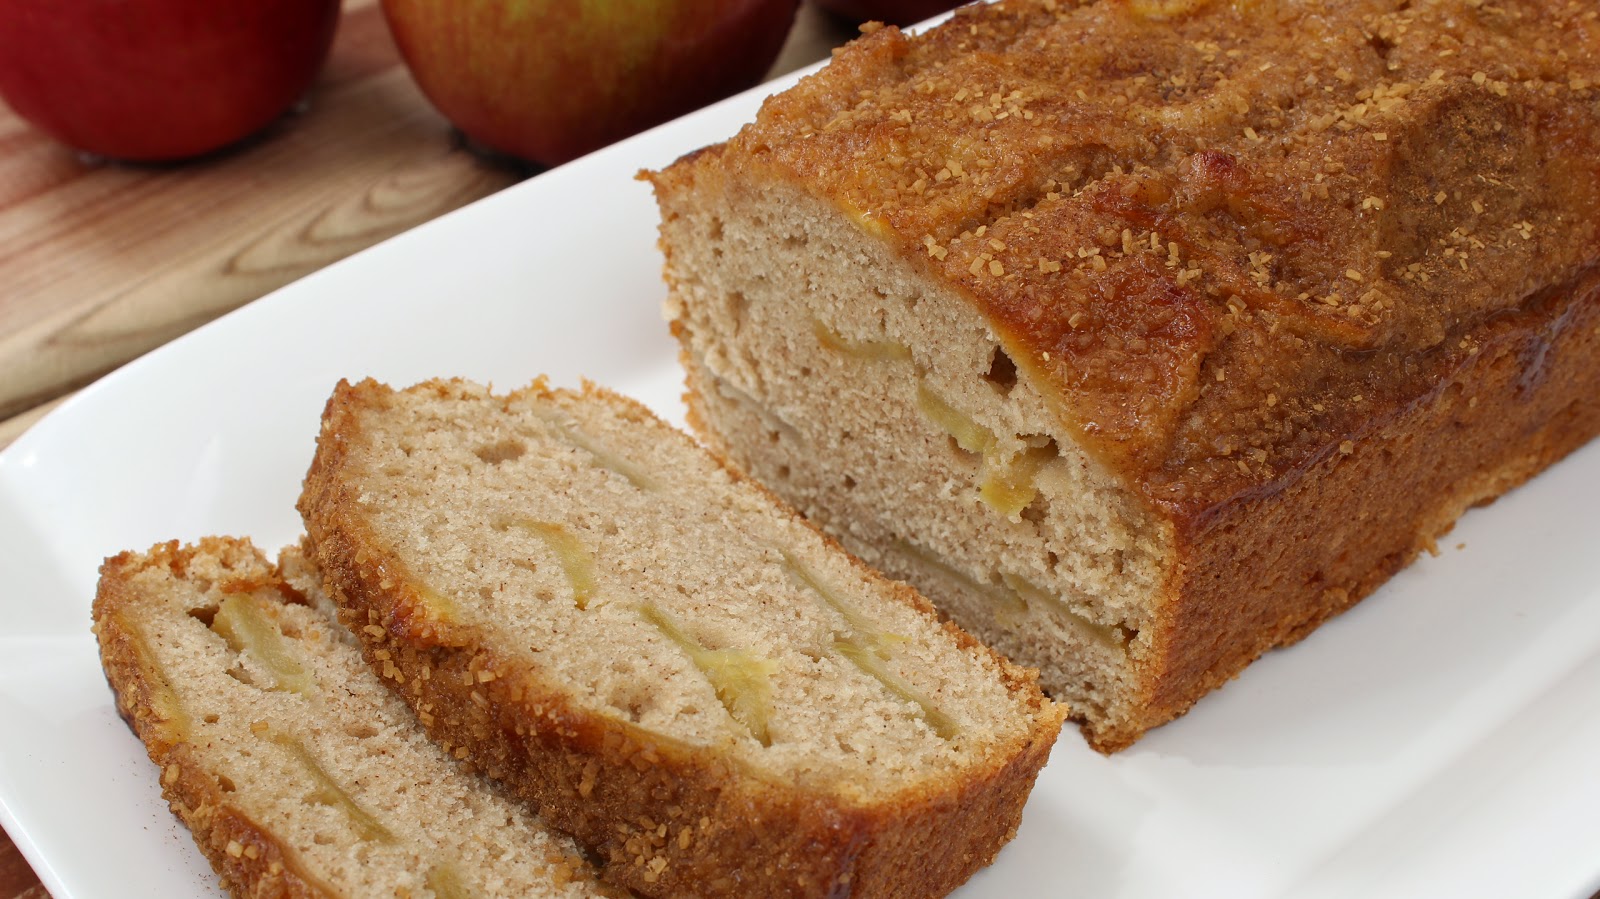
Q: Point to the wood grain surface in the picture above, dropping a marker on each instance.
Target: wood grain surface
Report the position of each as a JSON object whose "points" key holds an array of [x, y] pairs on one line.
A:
{"points": [[101, 263], [104, 262], [16, 878]]}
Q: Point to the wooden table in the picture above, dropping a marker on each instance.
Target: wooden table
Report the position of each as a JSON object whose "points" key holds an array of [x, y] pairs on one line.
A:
{"points": [[102, 263]]}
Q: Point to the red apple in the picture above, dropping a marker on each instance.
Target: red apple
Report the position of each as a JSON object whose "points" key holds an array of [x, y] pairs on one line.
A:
{"points": [[550, 80], [894, 12], [153, 80]]}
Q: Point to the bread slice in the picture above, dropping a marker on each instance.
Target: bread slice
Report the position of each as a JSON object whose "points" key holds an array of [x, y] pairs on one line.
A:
{"points": [[661, 658], [296, 770], [1144, 335]]}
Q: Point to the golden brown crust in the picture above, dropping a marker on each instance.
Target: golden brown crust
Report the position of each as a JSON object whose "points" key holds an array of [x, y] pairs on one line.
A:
{"points": [[250, 861], [1266, 572], [666, 819], [1216, 235]]}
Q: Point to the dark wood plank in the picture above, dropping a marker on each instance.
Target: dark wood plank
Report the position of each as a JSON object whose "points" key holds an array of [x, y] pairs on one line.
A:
{"points": [[17, 880]]}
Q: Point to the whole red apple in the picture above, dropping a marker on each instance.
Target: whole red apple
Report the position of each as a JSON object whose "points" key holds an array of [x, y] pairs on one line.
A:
{"points": [[550, 80], [152, 80], [894, 12]]}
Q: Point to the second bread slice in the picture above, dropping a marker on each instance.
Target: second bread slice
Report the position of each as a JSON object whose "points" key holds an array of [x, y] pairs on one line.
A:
{"points": [[665, 661]]}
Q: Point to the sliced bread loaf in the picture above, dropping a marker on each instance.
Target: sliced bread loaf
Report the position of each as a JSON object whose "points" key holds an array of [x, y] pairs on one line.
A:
{"points": [[659, 656], [298, 773]]}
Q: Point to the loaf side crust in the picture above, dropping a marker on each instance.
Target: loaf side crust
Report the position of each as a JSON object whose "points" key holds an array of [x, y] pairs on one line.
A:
{"points": [[1265, 571], [667, 819]]}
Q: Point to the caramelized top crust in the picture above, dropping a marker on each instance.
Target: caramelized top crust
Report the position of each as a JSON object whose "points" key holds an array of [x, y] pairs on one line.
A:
{"points": [[1231, 234]]}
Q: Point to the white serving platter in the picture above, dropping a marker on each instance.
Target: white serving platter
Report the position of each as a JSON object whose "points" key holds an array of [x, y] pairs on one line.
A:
{"points": [[1442, 739]]}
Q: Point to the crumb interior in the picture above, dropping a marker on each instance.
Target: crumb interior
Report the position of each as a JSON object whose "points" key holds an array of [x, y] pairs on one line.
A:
{"points": [[886, 409], [283, 712], [617, 559]]}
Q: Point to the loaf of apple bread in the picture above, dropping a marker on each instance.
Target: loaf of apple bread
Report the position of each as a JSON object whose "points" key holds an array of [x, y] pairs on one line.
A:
{"points": [[1144, 335], [297, 771], [659, 657]]}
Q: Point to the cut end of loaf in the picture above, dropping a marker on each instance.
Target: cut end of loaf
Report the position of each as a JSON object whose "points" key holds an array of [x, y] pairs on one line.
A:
{"points": [[903, 426]]}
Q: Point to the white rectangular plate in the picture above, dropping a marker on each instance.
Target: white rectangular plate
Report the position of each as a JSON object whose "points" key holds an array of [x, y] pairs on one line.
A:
{"points": [[1439, 740]]}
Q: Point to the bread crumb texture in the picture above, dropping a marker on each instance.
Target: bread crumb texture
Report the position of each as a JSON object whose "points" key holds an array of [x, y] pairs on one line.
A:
{"points": [[297, 771], [657, 654]]}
